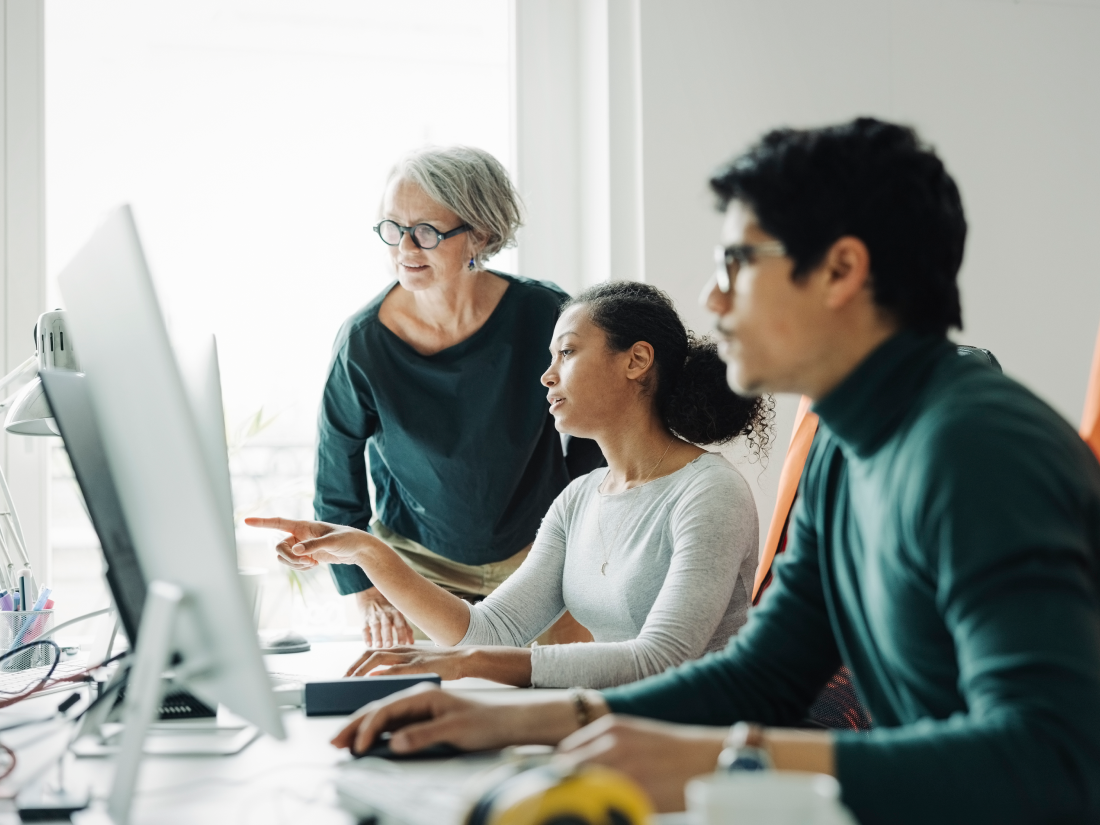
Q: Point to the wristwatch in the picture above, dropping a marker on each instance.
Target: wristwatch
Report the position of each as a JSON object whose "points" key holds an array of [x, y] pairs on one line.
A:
{"points": [[744, 750]]}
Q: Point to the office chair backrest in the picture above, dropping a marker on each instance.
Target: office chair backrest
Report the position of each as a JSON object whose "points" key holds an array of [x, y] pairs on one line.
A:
{"points": [[1090, 420]]}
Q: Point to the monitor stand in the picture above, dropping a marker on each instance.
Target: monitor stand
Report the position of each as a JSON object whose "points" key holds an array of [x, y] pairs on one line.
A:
{"points": [[145, 685], [223, 736]]}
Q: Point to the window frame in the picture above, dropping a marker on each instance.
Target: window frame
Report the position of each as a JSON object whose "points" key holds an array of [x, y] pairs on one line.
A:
{"points": [[22, 240]]}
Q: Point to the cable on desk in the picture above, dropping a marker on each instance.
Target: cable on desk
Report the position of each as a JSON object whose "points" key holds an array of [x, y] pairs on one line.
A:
{"points": [[19, 695], [81, 676], [60, 712], [6, 771], [109, 689], [78, 619], [46, 683]]}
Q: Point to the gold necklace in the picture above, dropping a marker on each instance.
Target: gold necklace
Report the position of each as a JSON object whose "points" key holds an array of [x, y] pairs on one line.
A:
{"points": [[629, 513]]}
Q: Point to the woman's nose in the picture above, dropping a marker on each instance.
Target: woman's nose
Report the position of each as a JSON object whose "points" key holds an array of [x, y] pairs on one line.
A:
{"points": [[549, 378], [407, 238]]}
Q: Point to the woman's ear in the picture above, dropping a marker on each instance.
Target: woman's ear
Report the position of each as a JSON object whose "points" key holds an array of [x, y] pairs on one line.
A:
{"points": [[475, 243], [641, 361]]}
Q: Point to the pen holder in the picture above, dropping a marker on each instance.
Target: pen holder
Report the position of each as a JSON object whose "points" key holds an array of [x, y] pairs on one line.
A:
{"points": [[20, 628]]}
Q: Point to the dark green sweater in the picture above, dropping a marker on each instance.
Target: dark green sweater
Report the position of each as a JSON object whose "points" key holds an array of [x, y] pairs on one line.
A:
{"points": [[463, 451], [945, 548]]}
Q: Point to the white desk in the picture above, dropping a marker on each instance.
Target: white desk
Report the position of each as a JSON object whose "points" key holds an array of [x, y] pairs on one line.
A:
{"points": [[269, 782]]}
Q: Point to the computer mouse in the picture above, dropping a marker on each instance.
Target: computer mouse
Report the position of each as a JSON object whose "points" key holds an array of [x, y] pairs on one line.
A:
{"points": [[288, 642], [381, 750]]}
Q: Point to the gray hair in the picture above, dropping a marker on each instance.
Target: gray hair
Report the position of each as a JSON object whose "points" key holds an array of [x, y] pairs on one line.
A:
{"points": [[472, 184]]}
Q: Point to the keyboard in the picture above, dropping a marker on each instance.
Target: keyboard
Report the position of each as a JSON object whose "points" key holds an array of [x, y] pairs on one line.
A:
{"points": [[432, 792]]}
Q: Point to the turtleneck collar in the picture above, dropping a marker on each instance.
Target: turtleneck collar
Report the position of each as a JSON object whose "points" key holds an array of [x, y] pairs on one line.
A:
{"points": [[867, 406]]}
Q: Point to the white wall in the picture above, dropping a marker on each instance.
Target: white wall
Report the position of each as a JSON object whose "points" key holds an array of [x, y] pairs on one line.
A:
{"points": [[1008, 91], [578, 140]]}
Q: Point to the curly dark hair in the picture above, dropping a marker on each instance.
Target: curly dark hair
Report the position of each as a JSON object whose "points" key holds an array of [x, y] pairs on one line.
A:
{"points": [[872, 180], [689, 386]]}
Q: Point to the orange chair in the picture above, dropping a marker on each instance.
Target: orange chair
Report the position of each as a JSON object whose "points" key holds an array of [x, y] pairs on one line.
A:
{"points": [[805, 427], [1090, 421], [837, 706]]}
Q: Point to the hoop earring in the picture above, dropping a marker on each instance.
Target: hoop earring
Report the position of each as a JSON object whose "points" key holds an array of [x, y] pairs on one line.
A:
{"points": [[470, 266]]}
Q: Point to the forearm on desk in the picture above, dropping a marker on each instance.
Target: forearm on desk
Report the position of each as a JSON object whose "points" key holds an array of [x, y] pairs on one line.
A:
{"points": [[548, 721], [507, 665], [801, 750]]}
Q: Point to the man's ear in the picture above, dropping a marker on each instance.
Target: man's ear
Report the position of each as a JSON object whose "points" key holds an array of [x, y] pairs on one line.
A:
{"points": [[641, 360], [847, 269]]}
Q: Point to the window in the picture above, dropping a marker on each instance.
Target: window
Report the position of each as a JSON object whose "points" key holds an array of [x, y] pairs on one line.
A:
{"points": [[252, 139]]}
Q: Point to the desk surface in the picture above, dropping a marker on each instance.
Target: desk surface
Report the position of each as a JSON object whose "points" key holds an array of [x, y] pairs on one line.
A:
{"points": [[268, 782]]}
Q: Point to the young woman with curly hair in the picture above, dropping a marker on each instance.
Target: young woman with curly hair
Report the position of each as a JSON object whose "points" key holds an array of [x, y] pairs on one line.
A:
{"points": [[655, 554]]}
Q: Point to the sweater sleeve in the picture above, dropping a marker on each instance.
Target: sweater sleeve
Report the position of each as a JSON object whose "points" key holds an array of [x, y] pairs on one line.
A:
{"points": [[1001, 531], [771, 671], [713, 528], [530, 600], [346, 420]]}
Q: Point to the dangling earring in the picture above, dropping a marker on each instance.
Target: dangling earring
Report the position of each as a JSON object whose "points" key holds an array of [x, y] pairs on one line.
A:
{"points": [[470, 266]]}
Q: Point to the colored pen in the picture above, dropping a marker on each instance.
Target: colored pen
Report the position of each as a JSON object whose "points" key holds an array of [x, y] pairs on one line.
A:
{"points": [[32, 627], [39, 621], [6, 601], [43, 597], [23, 593]]}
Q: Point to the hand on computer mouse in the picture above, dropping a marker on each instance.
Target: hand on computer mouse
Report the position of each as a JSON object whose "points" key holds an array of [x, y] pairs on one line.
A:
{"points": [[381, 750], [425, 715]]}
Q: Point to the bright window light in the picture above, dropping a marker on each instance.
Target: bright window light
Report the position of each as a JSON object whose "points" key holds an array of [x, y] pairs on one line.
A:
{"points": [[252, 138]]}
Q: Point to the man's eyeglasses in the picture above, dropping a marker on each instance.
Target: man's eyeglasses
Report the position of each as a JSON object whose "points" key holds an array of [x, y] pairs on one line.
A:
{"points": [[730, 259], [424, 235]]}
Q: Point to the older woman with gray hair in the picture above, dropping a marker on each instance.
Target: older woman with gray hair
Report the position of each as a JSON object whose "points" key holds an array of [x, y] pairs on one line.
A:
{"points": [[437, 381]]}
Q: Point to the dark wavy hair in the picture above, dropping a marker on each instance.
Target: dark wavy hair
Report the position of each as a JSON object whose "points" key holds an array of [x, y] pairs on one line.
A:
{"points": [[871, 180], [688, 386]]}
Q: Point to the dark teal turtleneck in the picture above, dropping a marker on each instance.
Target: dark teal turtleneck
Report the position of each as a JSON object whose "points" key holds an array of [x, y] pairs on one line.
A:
{"points": [[945, 547]]}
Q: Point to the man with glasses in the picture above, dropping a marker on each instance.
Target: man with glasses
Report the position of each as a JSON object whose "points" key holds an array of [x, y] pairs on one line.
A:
{"points": [[945, 544]]}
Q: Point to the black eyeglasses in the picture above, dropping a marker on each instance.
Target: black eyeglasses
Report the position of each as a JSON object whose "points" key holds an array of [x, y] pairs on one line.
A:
{"points": [[731, 258], [424, 235]]}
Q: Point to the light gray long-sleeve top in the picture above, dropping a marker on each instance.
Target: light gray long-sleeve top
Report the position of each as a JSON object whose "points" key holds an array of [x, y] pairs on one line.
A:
{"points": [[681, 556]]}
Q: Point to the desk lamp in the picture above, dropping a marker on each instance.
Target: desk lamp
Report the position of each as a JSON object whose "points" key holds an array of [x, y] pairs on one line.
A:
{"points": [[29, 414]]}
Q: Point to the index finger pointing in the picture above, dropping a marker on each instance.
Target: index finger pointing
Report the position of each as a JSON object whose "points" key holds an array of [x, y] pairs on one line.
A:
{"points": [[285, 524]]}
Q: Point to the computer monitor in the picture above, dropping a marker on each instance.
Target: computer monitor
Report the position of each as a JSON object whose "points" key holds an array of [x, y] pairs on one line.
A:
{"points": [[201, 373], [173, 504], [67, 393]]}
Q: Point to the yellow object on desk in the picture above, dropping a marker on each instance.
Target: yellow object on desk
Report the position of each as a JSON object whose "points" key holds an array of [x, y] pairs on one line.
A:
{"points": [[546, 795]]}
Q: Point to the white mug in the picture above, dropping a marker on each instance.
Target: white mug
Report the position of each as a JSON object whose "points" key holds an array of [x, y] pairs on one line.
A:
{"points": [[775, 797], [252, 582]]}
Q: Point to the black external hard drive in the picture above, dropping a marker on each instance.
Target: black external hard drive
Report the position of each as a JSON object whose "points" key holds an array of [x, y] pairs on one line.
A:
{"points": [[341, 697]]}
